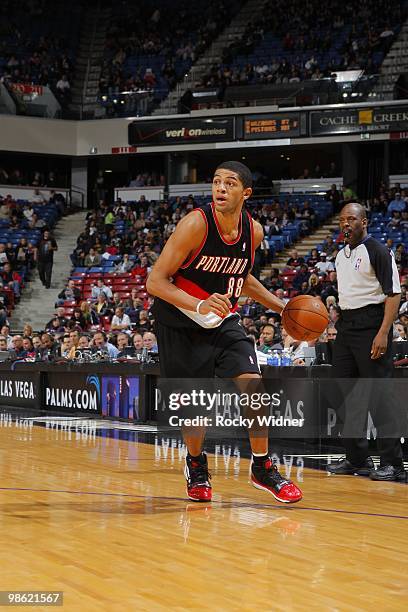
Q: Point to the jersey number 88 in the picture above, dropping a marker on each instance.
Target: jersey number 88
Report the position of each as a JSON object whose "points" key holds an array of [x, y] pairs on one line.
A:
{"points": [[235, 286]]}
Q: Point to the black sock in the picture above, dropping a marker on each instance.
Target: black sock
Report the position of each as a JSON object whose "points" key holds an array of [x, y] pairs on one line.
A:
{"points": [[260, 460], [200, 458]]}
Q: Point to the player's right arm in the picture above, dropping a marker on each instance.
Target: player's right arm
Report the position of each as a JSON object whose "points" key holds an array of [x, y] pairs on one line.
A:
{"points": [[186, 238]]}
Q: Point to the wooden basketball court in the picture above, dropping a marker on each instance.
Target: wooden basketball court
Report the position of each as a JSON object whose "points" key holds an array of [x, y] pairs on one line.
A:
{"points": [[106, 521]]}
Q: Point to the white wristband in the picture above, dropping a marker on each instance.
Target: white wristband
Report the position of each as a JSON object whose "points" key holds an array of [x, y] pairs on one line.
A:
{"points": [[198, 306]]}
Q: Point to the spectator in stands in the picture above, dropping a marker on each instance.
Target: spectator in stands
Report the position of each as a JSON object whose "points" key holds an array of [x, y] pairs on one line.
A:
{"points": [[124, 349], [397, 204], [249, 308], [92, 259], [100, 343], [334, 196], [28, 348], [349, 195], [150, 342], [294, 260], [125, 265], [28, 211], [27, 330], [3, 254], [313, 259], [83, 342], [36, 223], [331, 332], [63, 88], [70, 293], [3, 313], [401, 332], [401, 257], [18, 346], [329, 245], [314, 286], [100, 288], [330, 288], [55, 326], [142, 269], [102, 307], [301, 276], [274, 281], [334, 313], [89, 315], [45, 258], [3, 343], [12, 279], [79, 319], [120, 320], [267, 339], [296, 347], [137, 341], [38, 199], [5, 331], [109, 221], [281, 295], [323, 266], [66, 346]]}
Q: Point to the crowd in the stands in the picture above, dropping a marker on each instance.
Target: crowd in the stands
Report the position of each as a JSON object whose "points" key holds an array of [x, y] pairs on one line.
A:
{"points": [[104, 307], [293, 42], [142, 55], [38, 44]]}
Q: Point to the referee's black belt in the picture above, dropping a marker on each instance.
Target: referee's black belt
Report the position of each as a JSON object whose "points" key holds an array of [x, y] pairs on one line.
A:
{"points": [[350, 313]]}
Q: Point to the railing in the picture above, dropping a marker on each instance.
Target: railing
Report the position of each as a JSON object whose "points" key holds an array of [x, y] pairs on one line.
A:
{"points": [[72, 200], [27, 192]]}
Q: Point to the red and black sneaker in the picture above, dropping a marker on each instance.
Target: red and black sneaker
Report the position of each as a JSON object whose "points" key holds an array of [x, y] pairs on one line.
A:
{"points": [[198, 478], [267, 478]]}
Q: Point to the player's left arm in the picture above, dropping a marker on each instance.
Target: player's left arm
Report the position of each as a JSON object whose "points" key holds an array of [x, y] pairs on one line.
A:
{"points": [[253, 288]]}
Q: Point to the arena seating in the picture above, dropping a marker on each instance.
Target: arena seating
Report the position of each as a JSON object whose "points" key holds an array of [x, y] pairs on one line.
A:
{"points": [[289, 37], [141, 55], [49, 213], [37, 42]]}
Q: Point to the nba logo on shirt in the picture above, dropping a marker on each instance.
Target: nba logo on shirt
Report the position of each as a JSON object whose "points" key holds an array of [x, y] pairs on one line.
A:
{"points": [[357, 264]]}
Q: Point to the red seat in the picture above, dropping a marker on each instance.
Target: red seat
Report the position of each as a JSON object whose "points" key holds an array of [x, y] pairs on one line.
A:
{"points": [[290, 273], [105, 322]]}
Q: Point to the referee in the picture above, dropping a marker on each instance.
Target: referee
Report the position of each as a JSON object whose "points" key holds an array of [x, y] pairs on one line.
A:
{"points": [[369, 297]]}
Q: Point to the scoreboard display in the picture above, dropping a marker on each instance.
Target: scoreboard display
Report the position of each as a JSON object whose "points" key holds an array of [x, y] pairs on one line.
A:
{"points": [[271, 125]]}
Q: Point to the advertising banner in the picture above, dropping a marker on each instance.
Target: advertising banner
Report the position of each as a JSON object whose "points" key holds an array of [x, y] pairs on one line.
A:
{"points": [[20, 388], [181, 131], [271, 125], [27, 88], [72, 392], [352, 120]]}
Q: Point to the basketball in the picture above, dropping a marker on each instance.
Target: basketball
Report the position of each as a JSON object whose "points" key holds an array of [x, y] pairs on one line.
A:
{"points": [[305, 317]]}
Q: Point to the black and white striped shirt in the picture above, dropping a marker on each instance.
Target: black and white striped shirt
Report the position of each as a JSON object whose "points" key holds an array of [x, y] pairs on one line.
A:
{"points": [[366, 274]]}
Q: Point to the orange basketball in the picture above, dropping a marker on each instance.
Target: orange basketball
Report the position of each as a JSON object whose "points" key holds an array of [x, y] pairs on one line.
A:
{"points": [[305, 317]]}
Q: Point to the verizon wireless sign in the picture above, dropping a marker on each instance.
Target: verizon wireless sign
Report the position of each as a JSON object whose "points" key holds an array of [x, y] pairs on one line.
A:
{"points": [[181, 131]]}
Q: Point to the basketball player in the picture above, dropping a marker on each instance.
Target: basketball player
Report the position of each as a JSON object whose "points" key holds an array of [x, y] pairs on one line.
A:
{"points": [[197, 280], [369, 297]]}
